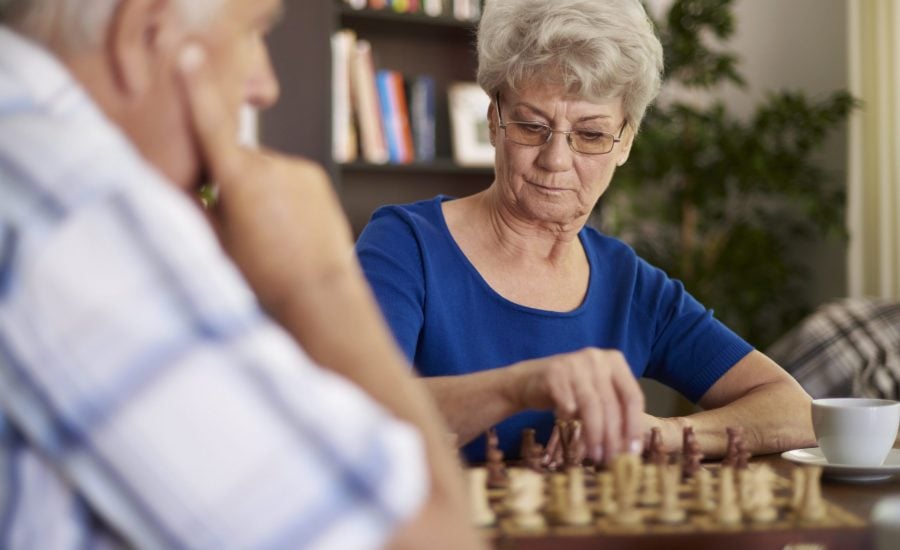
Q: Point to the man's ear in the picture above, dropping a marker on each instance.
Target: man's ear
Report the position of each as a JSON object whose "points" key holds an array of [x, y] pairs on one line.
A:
{"points": [[139, 35]]}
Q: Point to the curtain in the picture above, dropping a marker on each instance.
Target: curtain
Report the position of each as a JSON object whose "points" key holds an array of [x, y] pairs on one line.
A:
{"points": [[874, 158]]}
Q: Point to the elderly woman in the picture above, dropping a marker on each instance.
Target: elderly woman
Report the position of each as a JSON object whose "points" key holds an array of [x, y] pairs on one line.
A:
{"points": [[513, 309]]}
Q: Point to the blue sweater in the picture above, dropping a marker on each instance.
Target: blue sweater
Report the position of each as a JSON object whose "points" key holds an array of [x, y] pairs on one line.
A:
{"points": [[449, 321]]}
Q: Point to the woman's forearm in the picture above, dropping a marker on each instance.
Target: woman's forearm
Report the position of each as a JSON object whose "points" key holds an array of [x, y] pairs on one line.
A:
{"points": [[472, 403]]}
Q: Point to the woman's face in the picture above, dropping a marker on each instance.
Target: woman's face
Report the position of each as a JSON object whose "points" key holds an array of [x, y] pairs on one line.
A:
{"points": [[551, 183]]}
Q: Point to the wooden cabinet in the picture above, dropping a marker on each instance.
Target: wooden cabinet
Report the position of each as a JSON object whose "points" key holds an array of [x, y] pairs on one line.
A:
{"points": [[300, 123]]}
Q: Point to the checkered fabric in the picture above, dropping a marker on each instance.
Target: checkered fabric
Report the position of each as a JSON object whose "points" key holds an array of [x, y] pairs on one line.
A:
{"points": [[846, 348], [145, 399]]}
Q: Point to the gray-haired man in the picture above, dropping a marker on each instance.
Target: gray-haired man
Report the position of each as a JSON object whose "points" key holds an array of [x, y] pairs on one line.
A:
{"points": [[147, 396]]}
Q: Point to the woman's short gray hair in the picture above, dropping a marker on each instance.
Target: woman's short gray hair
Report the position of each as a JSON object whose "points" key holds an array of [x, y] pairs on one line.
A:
{"points": [[595, 49], [75, 23]]}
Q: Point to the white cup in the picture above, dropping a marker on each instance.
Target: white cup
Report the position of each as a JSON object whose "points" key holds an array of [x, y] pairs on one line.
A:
{"points": [[855, 431]]}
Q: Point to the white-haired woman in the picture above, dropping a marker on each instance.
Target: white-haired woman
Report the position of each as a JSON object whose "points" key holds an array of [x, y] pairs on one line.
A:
{"points": [[513, 309]]}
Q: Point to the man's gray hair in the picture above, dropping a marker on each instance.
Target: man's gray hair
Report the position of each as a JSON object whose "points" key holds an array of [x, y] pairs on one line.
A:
{"points": [[594, 49], [75, 23]]}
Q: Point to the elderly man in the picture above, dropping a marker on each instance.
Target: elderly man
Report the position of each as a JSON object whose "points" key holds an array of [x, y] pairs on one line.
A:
{"points": [[153, 389]]}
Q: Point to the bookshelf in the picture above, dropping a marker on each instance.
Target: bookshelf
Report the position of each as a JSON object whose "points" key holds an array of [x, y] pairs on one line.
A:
{"points": [[300, 123]]}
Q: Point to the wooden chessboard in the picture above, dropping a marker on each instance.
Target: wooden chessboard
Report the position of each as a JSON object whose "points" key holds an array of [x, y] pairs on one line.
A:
{"points": [[838, 528]]}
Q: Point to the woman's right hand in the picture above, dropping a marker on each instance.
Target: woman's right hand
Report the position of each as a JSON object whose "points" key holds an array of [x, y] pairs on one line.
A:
{"points": [[594, 385]]}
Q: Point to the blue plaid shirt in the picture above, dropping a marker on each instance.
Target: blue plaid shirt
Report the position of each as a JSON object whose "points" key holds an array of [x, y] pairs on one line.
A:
{"points": [[145, 399]]}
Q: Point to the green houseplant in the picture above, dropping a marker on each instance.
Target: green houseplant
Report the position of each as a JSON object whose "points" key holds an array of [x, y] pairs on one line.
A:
{"points": [[720, 202]]}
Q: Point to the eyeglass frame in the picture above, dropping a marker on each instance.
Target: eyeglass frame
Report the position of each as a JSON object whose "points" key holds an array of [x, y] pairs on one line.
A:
{"points": [[567, 133]]}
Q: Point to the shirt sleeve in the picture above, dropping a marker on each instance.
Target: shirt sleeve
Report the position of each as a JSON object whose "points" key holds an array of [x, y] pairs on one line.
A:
{"points": [[391, 258], [135, 358], [691, 349]]}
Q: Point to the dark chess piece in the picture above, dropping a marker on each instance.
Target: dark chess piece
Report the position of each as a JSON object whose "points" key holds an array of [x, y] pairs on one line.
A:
{"points": [[735, 445], [528, 441], [656, 450], [690, 454], [569, 436], [497, 476], [534, 459]]}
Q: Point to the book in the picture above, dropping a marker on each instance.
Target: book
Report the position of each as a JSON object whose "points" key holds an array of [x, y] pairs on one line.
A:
{"points": [[407, 151], [356, 4], [344, 146], [366, 103], [395, 114], [422, 117]]}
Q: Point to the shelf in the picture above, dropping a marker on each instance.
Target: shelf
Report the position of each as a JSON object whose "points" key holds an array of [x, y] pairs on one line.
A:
{"points": [[347, 13], [441, 166]]}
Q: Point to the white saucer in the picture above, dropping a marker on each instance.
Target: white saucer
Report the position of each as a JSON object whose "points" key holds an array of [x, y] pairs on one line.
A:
{"points": [[846, 472]]}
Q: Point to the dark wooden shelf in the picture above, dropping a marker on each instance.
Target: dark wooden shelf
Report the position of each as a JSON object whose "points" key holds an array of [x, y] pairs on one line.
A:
{"points": [[347, 14], [441, 166]]}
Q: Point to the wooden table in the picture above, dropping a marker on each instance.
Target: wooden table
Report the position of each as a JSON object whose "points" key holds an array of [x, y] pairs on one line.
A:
{"points": [[856, 498]]}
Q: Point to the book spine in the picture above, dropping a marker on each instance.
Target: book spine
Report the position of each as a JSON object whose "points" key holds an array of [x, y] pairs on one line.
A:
{"points": [[389, 114], [422, 117], [367, 109], [401, 117], [343, 133]]}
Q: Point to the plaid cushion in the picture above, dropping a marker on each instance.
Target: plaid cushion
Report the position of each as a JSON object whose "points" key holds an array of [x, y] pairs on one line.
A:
{"points": [[847, 348]]}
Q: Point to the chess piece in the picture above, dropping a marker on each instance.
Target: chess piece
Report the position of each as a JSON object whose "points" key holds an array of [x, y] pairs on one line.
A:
{"points": [[626, 477], [728, 512], [479, 504], [525, 498], [690, 454], [606, 503], [527, 443], [534, 459], [576, 510], [496, 470], [556, 507], [570, 436], [671, 511], [650, 491], [761, 501], [812, 510], [742, 457], [656, 450], [703, 501], [797, 488], [735, 438], [744, 488]]}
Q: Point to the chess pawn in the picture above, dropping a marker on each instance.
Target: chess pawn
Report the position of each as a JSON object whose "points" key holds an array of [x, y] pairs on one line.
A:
{"points": [[728, 512], [528, 441], [813, 507], [576, 511], [479, 504], [762, 509], [656, 450], [525, 498], [735, 442], [670, 511], [606, 503], [744, 488], [534, 459], [650, 489], [703, 501], [627, 477], [570, 435], [556, 508], [797, 488], [497, 478]]}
